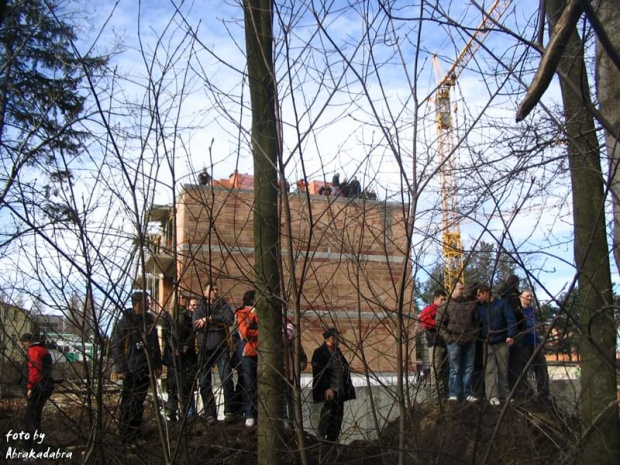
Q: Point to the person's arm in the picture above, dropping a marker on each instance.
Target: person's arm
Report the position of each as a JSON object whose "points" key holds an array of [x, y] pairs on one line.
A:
{"points": [[119, 340]]}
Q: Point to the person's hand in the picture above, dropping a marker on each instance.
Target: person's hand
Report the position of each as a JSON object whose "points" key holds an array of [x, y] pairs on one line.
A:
{"points": [[329, 394], [509, 341], [201, 322], [120, 375], [29, 393]]}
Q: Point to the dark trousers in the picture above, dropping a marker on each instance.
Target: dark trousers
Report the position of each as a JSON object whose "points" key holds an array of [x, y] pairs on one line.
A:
{"points": [[331, 419], [539, 365], [135, 387], [179, 384], [34, 409], [250, 368], [516, 363], [211, 357]]}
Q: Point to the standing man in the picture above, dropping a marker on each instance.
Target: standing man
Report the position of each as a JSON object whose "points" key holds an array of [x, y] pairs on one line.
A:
{"points": [[516, 360], [39, 383], [532, 345], [135, 349], [355, 188], [181, 360], [336, 184], [437, 346], [458, 326], [331, 384], [212, 321], [498, 331]]}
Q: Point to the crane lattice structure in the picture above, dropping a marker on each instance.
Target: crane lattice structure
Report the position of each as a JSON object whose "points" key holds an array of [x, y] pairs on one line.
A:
{"points": [[451, 237]]}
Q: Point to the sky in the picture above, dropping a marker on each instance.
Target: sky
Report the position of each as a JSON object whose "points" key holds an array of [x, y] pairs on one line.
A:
{"points": [[356, 98]]}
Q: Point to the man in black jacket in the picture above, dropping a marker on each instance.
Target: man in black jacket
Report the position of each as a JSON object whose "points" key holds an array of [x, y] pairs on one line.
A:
{"points": [[134, 348], [212, 321], [331, 384], [181, 359]]}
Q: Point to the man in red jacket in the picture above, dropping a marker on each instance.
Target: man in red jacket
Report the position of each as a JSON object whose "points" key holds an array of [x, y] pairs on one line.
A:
{"points": [[39, 383], [437, 346]]}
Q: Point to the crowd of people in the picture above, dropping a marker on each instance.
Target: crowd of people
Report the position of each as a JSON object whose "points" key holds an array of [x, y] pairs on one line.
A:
{"points": [[347, 189], [481, 344], [205, 334]]}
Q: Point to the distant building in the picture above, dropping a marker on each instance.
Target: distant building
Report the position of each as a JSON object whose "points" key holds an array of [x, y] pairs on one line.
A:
{"points": [[14, 322], [349, 257]]}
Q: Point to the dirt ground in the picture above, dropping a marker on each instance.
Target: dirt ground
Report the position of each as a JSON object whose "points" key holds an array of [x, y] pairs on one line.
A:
{"points": [[525, 433]]}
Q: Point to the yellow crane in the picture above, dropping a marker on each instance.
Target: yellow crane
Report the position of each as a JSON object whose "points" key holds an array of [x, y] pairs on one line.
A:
{"points": [[451, 237]]}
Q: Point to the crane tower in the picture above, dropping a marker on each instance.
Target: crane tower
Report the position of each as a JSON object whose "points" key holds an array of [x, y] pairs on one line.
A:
{"points": [[451, 236]]}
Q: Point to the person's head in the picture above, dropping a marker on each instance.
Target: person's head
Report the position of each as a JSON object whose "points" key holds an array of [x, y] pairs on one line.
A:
{"points": [[331, 336], [484, 293], [26, 340], [526, 297], [192, 305], [140, 302], [249, 298], [458, 290], [211, 291], [439, 297]]}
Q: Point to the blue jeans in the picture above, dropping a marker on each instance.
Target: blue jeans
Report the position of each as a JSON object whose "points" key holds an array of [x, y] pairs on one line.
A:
{"points": [[461, 359], [208, 359], [249, 365]]}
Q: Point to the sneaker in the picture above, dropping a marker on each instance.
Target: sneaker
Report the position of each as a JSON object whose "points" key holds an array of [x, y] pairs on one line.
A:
{"points": [[250, 422], [494, 401], [453, 399], [471, 398]]}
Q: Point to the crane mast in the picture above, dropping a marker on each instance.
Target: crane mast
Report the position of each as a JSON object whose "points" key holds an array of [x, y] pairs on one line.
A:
{"points": [[451, 236]]}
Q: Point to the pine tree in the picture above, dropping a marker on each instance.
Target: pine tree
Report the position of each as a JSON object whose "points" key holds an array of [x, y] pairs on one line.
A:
{"points": [[42, 93]]}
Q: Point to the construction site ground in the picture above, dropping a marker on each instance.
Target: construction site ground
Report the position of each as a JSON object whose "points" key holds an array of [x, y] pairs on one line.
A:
{"points": [[526, 432]]}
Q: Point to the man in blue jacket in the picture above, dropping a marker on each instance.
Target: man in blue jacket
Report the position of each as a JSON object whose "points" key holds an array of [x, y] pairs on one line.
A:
{"points": [[498, 329]]}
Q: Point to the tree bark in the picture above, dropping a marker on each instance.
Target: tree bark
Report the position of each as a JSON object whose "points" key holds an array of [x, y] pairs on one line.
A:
{"points": [[599, 412], [265, 148], [608, 90]]}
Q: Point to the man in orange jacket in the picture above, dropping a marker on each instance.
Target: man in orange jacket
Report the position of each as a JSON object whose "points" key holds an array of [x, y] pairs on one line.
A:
{"points": [[39, 383]]}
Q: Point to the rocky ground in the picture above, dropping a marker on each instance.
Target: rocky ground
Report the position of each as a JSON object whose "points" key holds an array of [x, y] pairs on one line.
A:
{"points": [[522, 433]]}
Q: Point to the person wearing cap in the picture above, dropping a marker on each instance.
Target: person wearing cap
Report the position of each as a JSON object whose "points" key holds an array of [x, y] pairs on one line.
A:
{"points": [[39, 382], [135, 349], [331, 384]]}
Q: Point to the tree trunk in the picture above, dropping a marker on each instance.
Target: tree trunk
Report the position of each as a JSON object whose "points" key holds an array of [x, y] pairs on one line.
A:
{"points": [[608, 90], [265, 149], [601, 435]]}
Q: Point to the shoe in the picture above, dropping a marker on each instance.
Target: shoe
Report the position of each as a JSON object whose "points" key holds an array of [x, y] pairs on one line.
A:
{"points": [[250, 422], [453, 399], [208, 419], [230, 418], [471, 398], [494, 401]]}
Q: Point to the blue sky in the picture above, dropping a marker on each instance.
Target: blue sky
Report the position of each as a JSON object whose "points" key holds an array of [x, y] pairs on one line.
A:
{"points": [[358, 118]]}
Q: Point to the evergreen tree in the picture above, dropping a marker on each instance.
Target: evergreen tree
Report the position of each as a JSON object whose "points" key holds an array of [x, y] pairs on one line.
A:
{"points": [[42, 92]]}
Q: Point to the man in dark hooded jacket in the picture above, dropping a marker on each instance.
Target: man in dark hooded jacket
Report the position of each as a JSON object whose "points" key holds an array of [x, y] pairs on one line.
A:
{"points": [[331, 384], [135, 349]]}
